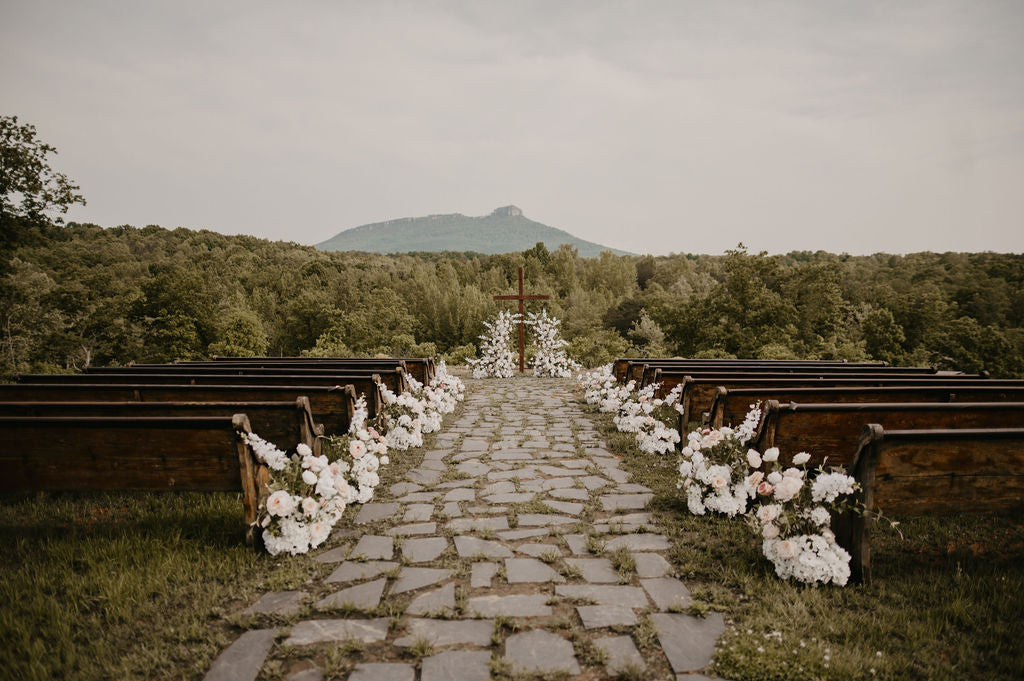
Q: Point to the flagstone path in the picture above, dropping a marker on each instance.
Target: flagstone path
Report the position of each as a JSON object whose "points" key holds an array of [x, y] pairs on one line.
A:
{"points": [[517, 547]]}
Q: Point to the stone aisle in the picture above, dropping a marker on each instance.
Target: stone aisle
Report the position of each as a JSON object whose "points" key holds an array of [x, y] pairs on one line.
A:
{"points": [[518, 547]]}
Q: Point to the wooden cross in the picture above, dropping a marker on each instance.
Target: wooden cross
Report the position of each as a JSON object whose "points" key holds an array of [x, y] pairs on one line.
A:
{"points": [[522, 321]]}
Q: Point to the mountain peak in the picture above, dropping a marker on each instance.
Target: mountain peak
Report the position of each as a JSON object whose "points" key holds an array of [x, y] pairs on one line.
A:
{"points": [[505, 230]]}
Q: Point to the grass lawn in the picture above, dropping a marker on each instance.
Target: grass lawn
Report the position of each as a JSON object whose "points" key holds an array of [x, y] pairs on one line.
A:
{"points": [[946, 602]]}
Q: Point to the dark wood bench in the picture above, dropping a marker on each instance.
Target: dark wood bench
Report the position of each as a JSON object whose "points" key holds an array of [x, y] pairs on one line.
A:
{"points": [[285, 424], [829, 431], [361, 384], [422, 369], [930, 472], [394, 378], [620, 365], [204, 454], [698, 392], [653, 373], [729, 406], [331, 406]]}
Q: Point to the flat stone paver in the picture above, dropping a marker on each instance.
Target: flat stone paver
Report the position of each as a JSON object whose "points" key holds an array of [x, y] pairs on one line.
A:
{"points": [[595, 570], [477, 524], [622, 654], [515, 535], [457, 665], [373, 547], [569, 507], [570, 493], [424, 549], [424, 476], [650, 565], [597, 616], [534, 519], [362, 596], [412, 578], [277, 603], [434, 602], [688, 642], [470, 547], [418, 513], [461, 494], [350, 571], [441, 633], [629, 596], [383, 671], [243, 659], [529, 570], [413, 529], [320, 631], [668, 593], [372, 512], [539, 550], [482, 574], [619, 502], [529, 605], [540, 652], [639, 542]]}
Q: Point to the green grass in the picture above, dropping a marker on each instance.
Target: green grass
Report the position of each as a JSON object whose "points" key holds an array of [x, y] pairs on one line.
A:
{"points": [[945, 601]]}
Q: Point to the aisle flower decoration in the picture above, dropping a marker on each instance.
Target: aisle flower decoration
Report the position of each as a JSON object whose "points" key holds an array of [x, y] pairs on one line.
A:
{"points": [[307, 494], [550, 358], [496, 357]]}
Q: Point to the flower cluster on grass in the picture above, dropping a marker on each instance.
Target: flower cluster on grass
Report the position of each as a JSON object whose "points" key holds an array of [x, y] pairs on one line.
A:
{"points": [[791, 508], [496, 357], [651, 419], [550, 358], [307, 494]]}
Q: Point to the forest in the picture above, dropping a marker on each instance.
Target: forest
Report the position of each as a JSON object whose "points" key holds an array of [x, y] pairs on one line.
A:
{"points": [[78, 295]]}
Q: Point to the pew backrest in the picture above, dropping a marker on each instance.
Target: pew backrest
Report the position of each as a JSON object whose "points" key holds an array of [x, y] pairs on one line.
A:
{"points": [[207, 454], [930, 472]]}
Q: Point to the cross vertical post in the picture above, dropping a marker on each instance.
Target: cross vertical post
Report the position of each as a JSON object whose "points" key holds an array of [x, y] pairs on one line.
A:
{"points": [[522, 321]]}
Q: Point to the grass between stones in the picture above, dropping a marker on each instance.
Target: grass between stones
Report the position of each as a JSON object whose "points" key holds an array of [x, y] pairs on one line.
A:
{"points": [[944, 603]]}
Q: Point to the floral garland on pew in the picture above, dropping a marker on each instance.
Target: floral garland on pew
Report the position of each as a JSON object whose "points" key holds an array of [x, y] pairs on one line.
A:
{"points": [[309, 494], [789, 507]]}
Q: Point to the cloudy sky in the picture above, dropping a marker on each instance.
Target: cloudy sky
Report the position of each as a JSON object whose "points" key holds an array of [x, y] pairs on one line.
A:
{"points": [[673, 126]]}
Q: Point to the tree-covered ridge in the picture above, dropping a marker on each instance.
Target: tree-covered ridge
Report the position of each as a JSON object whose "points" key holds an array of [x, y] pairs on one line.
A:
{"points": [[81, 294]]}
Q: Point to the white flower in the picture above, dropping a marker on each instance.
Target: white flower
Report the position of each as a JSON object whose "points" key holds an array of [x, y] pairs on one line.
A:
{"points": [[356, 448], [771, 454], [280, 503], [304, 450], [801, 458], [787, 488], [753, 458], [769, 531], [310, 506], [309, 477]]}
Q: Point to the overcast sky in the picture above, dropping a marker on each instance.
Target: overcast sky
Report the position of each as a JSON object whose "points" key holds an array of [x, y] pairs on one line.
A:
{"points": [[653, 127]]}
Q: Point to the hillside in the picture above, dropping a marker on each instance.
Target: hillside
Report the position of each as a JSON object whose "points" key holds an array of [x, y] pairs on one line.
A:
{"points": [[506, 230]]}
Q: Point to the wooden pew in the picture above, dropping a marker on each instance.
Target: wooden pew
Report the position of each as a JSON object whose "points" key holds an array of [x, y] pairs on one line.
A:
{"points": [[930, 472], [394, 378], [361, 384], [647, 373], [204, 454], [828, 431], [729, 406], [620, 364], [422, 369], [331, 406], [285, 424], [697, 393]]}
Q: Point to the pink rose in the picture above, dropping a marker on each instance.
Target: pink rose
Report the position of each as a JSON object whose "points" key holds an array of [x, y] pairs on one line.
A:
{"points": [[755, 478], [764, 489]]}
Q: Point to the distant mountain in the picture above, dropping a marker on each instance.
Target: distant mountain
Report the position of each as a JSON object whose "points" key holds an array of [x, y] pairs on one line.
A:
{"points": [[503, 231]]}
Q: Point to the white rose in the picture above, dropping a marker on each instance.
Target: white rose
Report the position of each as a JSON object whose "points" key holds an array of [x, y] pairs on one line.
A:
{"points": [[309, 477], [793, 473], [356, 448], [767, 514], [769, 531], [753, 458], [310, 506], [801, 458], [788, 488], [304, 450], [786, 549], [775, 477], [280, 503], [771, 455]]}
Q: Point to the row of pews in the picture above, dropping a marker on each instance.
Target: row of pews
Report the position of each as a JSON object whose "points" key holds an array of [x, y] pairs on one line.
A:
{"points": [[918, 440], [182, 426]]}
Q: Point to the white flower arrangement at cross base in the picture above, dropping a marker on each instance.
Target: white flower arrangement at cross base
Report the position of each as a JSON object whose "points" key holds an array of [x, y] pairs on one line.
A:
{"points": [[550, 358], [308, 494], [496, 357]]}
